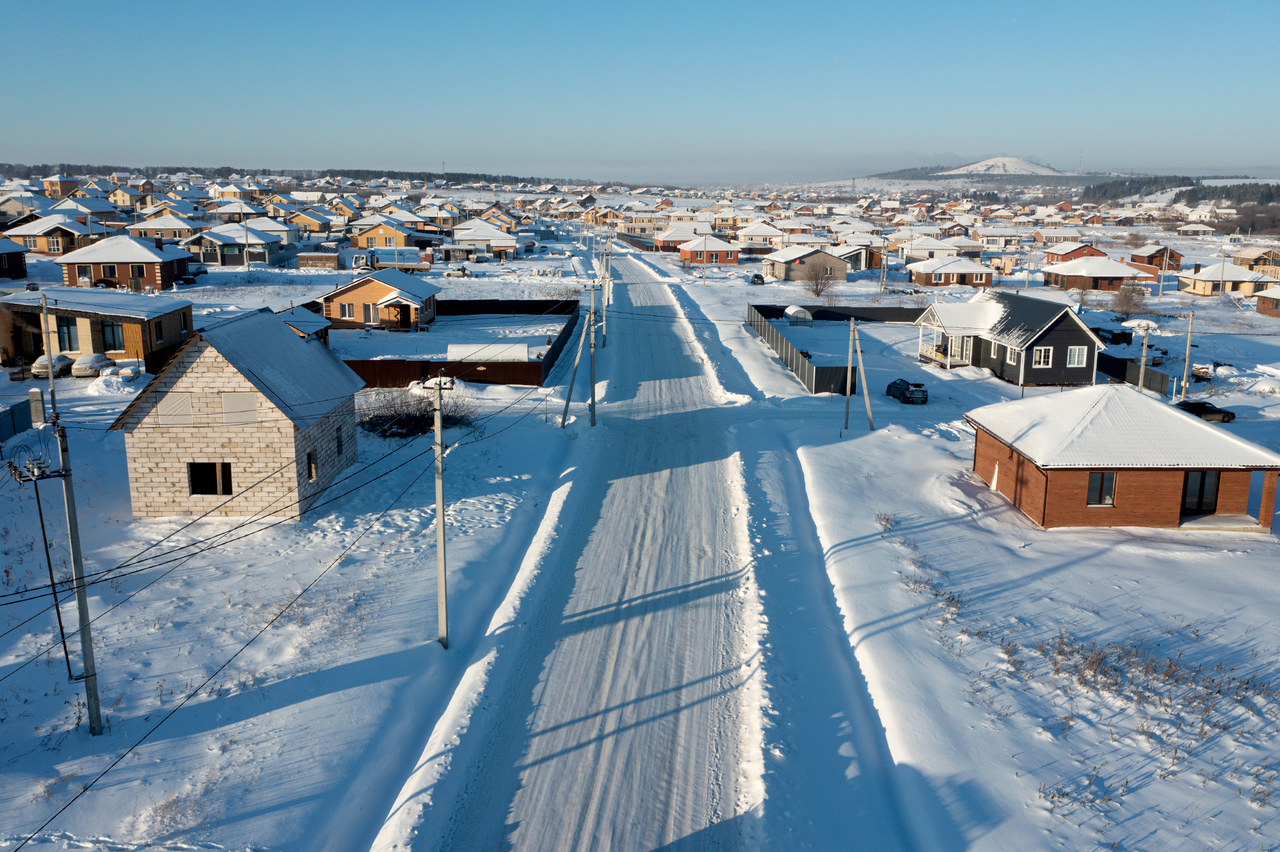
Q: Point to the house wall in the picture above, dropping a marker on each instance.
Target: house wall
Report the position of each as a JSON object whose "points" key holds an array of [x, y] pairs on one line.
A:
{"points": [[321, 439], [1269, 307], [1083, 282], [368, 292], [1019, 480], [158, 275], [969, 279], [13, 265], [1061, 335]]}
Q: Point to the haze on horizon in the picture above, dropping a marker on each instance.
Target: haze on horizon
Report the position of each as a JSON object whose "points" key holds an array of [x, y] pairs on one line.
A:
{"points": [[713, 93]]}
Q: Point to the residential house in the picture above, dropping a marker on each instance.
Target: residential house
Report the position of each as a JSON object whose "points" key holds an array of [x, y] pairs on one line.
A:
{"points": [[998, 237], [1161, 257], [247, 419], [677, 235], [924, 248], [387, 298], [803, 263], [233, 245], [1223, 277], [237, 211], [1026, 340], [1112, 456], [168, 227], [307, 323], [1264, 260], [13, 259], [964, 246], [126, 197], [1050, 236], [127, 262], [1090, 273], [485, 237], [58, 186], [120, 325], [1268, 302], [946, 271], [312, 222], [1062, 252], [54, 234], [707, 250], [1194, 230]]}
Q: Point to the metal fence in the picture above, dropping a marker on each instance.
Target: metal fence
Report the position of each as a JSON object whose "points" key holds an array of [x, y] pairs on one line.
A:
{"points": [[390, 373], [15, 418], [1127, 371], [843, 313], [814, 379]]}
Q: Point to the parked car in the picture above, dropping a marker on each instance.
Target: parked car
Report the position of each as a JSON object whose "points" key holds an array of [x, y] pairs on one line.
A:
{"points": [[908, 393], [1206, 411], [757, 278], [61, 366], [91, 365], [362, 270], [194, 269], [458, 272]]}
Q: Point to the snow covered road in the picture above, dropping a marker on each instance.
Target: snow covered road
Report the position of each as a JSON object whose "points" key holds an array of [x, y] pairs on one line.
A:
{"points": [[637, 715]]}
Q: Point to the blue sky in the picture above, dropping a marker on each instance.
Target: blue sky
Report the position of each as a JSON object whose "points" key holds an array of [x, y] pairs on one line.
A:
{"points": [[682, 92]]}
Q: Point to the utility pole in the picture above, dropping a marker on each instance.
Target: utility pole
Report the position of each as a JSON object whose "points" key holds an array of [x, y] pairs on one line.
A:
{"points": [[862, 375], [48, 353], [1142, 367], [848, 380], [442, 596], [77, 572], [568, 394], [591, 326], [1186, 363]]}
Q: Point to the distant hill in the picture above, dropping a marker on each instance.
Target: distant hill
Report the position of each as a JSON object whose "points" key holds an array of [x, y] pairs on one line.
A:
{"points": [[922, 173], [1001, 166]]}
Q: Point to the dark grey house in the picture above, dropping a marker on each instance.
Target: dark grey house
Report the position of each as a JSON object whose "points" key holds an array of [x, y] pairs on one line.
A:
{"points": [[1020, 338]]}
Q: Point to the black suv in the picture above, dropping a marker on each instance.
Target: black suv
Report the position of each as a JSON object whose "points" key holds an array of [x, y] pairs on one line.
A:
{"points": [[1206, 411], [757, 278], [908, 393]]}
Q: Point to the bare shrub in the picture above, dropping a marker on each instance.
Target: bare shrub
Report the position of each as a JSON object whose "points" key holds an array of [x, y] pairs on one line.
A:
{"points": [[402, 412], [817, 276], [1128, 301]]}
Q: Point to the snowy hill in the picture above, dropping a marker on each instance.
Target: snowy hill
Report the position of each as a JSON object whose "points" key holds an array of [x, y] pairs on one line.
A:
{"points": [[1003, 166]]}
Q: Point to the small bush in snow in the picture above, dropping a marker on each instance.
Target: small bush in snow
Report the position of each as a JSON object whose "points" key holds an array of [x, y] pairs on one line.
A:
{"points": [[401, 413]]}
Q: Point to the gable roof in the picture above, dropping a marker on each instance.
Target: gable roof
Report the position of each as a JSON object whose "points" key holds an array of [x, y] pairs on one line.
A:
{"points": [[45, 224], [395, 279], [168, 222], [1092, 267], [1011, 319], [949, 266], [103, 303], [8, 246], [794, 253], [1226, 271], [124, 249], [301, 378], [706, 243], [1115, 426]]}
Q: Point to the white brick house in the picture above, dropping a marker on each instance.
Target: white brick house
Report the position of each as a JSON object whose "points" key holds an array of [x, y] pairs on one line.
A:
{"points": [[247, 413]]}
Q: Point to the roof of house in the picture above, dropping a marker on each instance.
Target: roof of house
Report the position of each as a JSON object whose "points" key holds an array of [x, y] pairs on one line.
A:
{"points": [[1092, 267], [1066, 248], [8, 246], [794, 253], [706, 243], [1115, 426], [305, 321], [124, 249], [233, 234], [114, 304], [45, 224], [1149, 250], [1011, 319], [1227, 271], [397, 280], [169, 222], [949, 266], [1269, 293], [300, 377]]}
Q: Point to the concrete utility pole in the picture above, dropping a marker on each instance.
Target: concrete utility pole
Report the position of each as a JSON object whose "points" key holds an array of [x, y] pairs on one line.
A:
{"points": [[1186, 362], [573, 375], [442, 596], [862, 375], [591, 326], [848, 380]]}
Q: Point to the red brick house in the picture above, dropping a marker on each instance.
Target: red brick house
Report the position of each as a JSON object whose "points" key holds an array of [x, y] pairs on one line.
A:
{"points": [[1111, 456], [1062, 252], [1161, 257], [1090, 273], [944, 271], [1268, 301], [707, 250]]}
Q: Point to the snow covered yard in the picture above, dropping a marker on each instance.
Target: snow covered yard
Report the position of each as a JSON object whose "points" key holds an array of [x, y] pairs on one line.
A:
{"points": [[478, 329]]}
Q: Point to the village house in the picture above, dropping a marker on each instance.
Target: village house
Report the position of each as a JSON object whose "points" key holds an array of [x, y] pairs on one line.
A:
{"points": [[1264, 260], [946, 271], [707, 250], [13, 259], [58, 186], [388, 299], [54, 234], [121, 326], [1195, 230], [1160, 257], [1268, 302], [1090, 273], [802, 263], [997, 237], [126, 197], [1062, 252], [1026, 340], [1224, 277], [1072, 460], [127, 262], [168, 227], [233, 245], [215, 421], [1049, 236]]}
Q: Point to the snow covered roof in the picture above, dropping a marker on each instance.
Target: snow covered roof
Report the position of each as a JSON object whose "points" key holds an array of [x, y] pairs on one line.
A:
{"points": [[10, 247], [395, 279], [45, 224], [124, 249], [1064, 248], [300, 377], [108, 303], [1148, 250], [706, 243], [168, 222], [1269, 293], [233, 234], [303, 320], [1012, 319], [1225, 271], [792, 253], [949, 265], [1092, 267], [1115, 426]]}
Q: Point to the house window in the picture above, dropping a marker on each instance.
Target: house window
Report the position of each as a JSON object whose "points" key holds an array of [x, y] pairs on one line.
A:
{"points": [[84, 271], [184, 323], [30, 242], [1011, 355], [980, 278], [371, 242], [55, 244], [68, 335], [347, 310], [1042, 356], [157, 331], [713, 257], [108, 270], [112, 336], [174, 409], [389, 242], [1102, 489], [697, 255], [137, 270], [239, 409], [937, 278], [209, 477], [1077, 356], [370, 313], [311, 467], [1200, 492]]}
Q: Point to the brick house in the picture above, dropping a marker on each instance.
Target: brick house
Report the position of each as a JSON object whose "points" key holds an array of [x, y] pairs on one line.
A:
{"points": [[13, 259], [1161, 257], [1026, 340], [55, 234], [168, 227], [1049, 236], [1090, 273], [1111, 456], [1269, 302], [213, 427], [707, 250], [798, 262], [1222, 278], [122, 326], [387, 298], [945, 271], [129, 262], [1062, 252], [58, 186]]}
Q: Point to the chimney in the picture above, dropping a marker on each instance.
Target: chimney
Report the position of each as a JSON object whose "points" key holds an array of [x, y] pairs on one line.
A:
{"points": [[1197, 269], [159, 242]]}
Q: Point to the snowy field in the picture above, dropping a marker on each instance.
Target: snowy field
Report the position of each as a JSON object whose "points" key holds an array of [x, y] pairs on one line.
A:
{"points": [[718, 620]]}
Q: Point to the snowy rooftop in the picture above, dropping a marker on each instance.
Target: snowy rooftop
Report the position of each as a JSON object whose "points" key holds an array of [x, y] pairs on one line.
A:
{"points": [[1115, 426], [1226, 271], [115, 303], [1092, 267], [489, 330]]}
